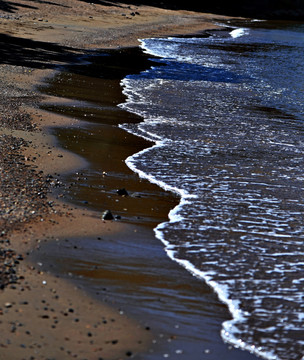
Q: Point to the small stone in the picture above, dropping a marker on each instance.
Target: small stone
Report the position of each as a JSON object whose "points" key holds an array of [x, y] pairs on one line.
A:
{"points": [[8, 305], [107, 215], [122, 192], [13, 328]]}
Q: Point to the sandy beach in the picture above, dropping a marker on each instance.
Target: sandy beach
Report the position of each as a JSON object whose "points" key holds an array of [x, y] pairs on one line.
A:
{"points": [[43, 314]]}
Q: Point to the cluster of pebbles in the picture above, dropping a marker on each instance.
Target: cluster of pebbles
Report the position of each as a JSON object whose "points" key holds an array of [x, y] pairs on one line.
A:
{"points": [[22, 199], [13, 97], [23, 189], [8, 262]]}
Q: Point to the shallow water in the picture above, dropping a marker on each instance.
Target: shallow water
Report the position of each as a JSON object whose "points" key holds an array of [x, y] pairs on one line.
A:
{"points": [[92, 92], [226, 115]]}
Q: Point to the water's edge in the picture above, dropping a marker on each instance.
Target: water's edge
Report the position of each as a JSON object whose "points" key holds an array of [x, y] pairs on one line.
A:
{"points": [[188, 301]]}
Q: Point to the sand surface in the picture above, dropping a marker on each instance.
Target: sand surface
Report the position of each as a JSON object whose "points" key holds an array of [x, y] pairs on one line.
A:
{"points": [[43, 316]]}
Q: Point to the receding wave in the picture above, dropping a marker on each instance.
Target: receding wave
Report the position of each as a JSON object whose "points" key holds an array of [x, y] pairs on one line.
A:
{"points": [[226, 117]]}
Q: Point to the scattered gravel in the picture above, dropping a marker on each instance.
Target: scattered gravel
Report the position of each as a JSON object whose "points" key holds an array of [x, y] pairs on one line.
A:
{"points": [[23, 190]]}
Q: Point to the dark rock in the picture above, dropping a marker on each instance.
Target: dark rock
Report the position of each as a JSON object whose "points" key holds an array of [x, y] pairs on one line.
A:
{"points": [[107, 215], [122, 192]]}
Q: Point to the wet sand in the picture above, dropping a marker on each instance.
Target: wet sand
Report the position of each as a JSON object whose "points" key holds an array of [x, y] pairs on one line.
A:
{"points": [[50, 309]]}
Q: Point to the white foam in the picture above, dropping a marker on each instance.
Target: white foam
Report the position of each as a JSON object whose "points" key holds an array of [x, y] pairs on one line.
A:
{"points": [[130, 161], [236, 33], [161, 52], [167, 50]]}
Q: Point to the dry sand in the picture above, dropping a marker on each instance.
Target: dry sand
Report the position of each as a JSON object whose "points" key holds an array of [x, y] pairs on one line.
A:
{"points": [[42, 316]]}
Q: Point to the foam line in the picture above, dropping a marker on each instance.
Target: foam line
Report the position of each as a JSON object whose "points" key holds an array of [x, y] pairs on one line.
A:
{"points": [[228, 330]]}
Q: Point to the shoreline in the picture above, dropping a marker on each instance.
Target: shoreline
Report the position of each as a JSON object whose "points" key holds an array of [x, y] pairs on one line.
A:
{"points": [[35, 294], [132, 269]]}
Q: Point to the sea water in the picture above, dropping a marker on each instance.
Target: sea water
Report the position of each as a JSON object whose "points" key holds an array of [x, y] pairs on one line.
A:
{"points": [[225, 112]]}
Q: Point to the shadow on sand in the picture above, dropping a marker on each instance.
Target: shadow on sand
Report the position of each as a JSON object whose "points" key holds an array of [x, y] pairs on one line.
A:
{"points": [[36, 54]]}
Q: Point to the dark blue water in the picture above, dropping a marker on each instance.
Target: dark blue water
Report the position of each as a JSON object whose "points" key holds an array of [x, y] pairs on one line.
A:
{"points": [[226, 115]]}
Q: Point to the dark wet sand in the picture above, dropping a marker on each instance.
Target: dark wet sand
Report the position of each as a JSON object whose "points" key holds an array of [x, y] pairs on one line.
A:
{"points": [[129, 270], [102, 143]]}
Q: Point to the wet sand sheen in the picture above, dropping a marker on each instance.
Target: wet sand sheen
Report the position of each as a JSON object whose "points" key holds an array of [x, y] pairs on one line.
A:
{"points": [[103, 144], [130, 270]]}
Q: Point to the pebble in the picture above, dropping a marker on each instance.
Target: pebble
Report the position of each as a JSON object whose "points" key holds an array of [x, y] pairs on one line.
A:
{"points": [[122, 192], [107, 215]]}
